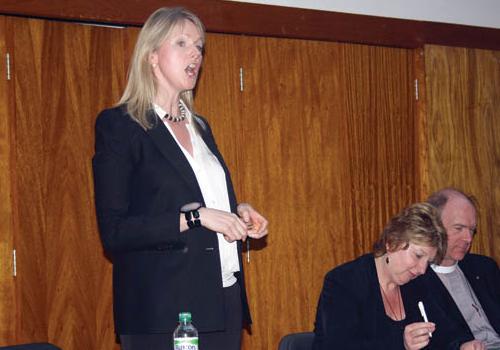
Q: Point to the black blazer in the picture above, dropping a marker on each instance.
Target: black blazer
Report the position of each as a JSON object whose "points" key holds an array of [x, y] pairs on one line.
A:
{"points": [[351, 312], [451, 328], [141, 180]]}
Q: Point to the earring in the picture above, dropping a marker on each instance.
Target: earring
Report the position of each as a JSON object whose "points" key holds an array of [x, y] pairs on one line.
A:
{"points": [[154, 65], [387, 259]]}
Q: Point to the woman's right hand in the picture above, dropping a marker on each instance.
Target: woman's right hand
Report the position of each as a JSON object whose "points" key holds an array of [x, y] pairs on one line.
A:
{"points": [[228, 224], [417, 335], [473, 345]]}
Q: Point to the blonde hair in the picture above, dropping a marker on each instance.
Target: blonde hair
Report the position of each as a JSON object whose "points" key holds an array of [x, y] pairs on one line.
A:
{"points": [[419, 224], [141, 86]]}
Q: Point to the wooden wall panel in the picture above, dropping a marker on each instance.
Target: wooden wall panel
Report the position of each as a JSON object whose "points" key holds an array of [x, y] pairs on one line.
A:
{"points": [[31, 321], [463, 93], [321, 140], [64, 73], [218, 95], [7, 286], [231, 17], [324, 145]]}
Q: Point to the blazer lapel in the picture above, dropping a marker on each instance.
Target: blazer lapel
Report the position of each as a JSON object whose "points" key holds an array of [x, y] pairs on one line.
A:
{"points": [[441, 295], [473, 278], [477, 283], [210, 142], [168, 147]]}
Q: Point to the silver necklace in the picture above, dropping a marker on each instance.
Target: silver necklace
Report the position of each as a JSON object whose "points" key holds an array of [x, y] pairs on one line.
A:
{"points": [[398, 317], [178, 118]]}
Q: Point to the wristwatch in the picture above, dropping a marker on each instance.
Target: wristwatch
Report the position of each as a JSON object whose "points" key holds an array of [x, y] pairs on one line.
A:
{"points": [[192, 214]]}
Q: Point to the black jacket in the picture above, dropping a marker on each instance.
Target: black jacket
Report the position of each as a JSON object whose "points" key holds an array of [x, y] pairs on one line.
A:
{"points": [[351, 312], [451, 328], [141, 180]]}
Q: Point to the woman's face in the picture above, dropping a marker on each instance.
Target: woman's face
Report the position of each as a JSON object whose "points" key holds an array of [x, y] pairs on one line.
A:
{"points": [[407, 264], [176, 63]]}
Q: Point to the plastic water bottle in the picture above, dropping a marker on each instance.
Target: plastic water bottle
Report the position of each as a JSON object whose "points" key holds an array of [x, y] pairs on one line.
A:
{"points": [[185, 335]]}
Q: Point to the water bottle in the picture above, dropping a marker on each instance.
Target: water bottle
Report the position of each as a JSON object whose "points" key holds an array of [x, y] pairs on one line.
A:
{"points": [[185, 335]]}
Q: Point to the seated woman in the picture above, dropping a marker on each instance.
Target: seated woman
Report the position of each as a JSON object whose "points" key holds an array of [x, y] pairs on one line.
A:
{"points": [[364, 303]]}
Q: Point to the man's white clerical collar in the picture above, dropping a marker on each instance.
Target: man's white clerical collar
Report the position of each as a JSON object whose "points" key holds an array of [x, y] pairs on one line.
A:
{"points": [[444, 269]]}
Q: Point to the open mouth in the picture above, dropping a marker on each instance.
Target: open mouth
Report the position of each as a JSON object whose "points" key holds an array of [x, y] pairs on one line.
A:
{"points": [[192, 70]]}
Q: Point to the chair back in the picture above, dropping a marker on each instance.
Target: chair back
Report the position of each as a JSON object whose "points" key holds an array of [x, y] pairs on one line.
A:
{"points": [[297, 341]]}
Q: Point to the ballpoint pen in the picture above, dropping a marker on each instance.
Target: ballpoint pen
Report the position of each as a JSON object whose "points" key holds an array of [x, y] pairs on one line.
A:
{"points": [[424, 315]]}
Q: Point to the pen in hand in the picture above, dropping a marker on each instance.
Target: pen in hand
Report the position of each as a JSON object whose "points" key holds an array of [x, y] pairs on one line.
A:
{"points": [[424, 315]]}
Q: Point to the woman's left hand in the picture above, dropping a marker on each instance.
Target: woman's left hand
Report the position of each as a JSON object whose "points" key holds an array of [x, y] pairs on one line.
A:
{"points": [[417, 335], [256, 223]]}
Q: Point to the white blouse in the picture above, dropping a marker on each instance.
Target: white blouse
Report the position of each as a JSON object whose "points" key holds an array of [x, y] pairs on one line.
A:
{"points": [[212, 181]]}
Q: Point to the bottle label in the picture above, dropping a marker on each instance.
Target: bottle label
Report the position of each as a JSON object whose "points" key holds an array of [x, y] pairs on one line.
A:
{"points": [[186, 343]]}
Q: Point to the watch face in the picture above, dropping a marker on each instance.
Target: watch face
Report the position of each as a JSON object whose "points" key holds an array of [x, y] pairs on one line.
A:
{"points": [[190, 206]]}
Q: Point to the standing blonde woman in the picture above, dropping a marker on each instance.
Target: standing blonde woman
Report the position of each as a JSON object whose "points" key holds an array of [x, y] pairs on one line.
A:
{"points": [[166, 207]]}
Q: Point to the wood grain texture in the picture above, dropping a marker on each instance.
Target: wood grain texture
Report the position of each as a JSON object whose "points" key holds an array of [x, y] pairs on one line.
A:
{"points": [[463, 131], [7, 281], [31, 320], [268, 20], [321, 140], [64, 73], [421, 144], [324, 145]]}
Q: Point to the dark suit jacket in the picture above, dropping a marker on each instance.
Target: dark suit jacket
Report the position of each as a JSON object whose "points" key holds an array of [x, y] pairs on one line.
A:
{"points": [[141, 180], [451, 328], [351, 312]]}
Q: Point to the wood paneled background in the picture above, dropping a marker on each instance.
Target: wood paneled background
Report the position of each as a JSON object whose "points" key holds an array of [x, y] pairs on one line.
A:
{"points": [[325, 138], [321, 139], [64, 74], [463, 131], [7, 292]]}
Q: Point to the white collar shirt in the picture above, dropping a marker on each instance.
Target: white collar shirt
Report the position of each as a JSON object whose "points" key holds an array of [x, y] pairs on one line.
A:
{"points": [[212, 181]]}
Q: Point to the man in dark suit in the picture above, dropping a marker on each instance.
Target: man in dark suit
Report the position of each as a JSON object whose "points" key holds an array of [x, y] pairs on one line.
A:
{"points": [[464, 291]]}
